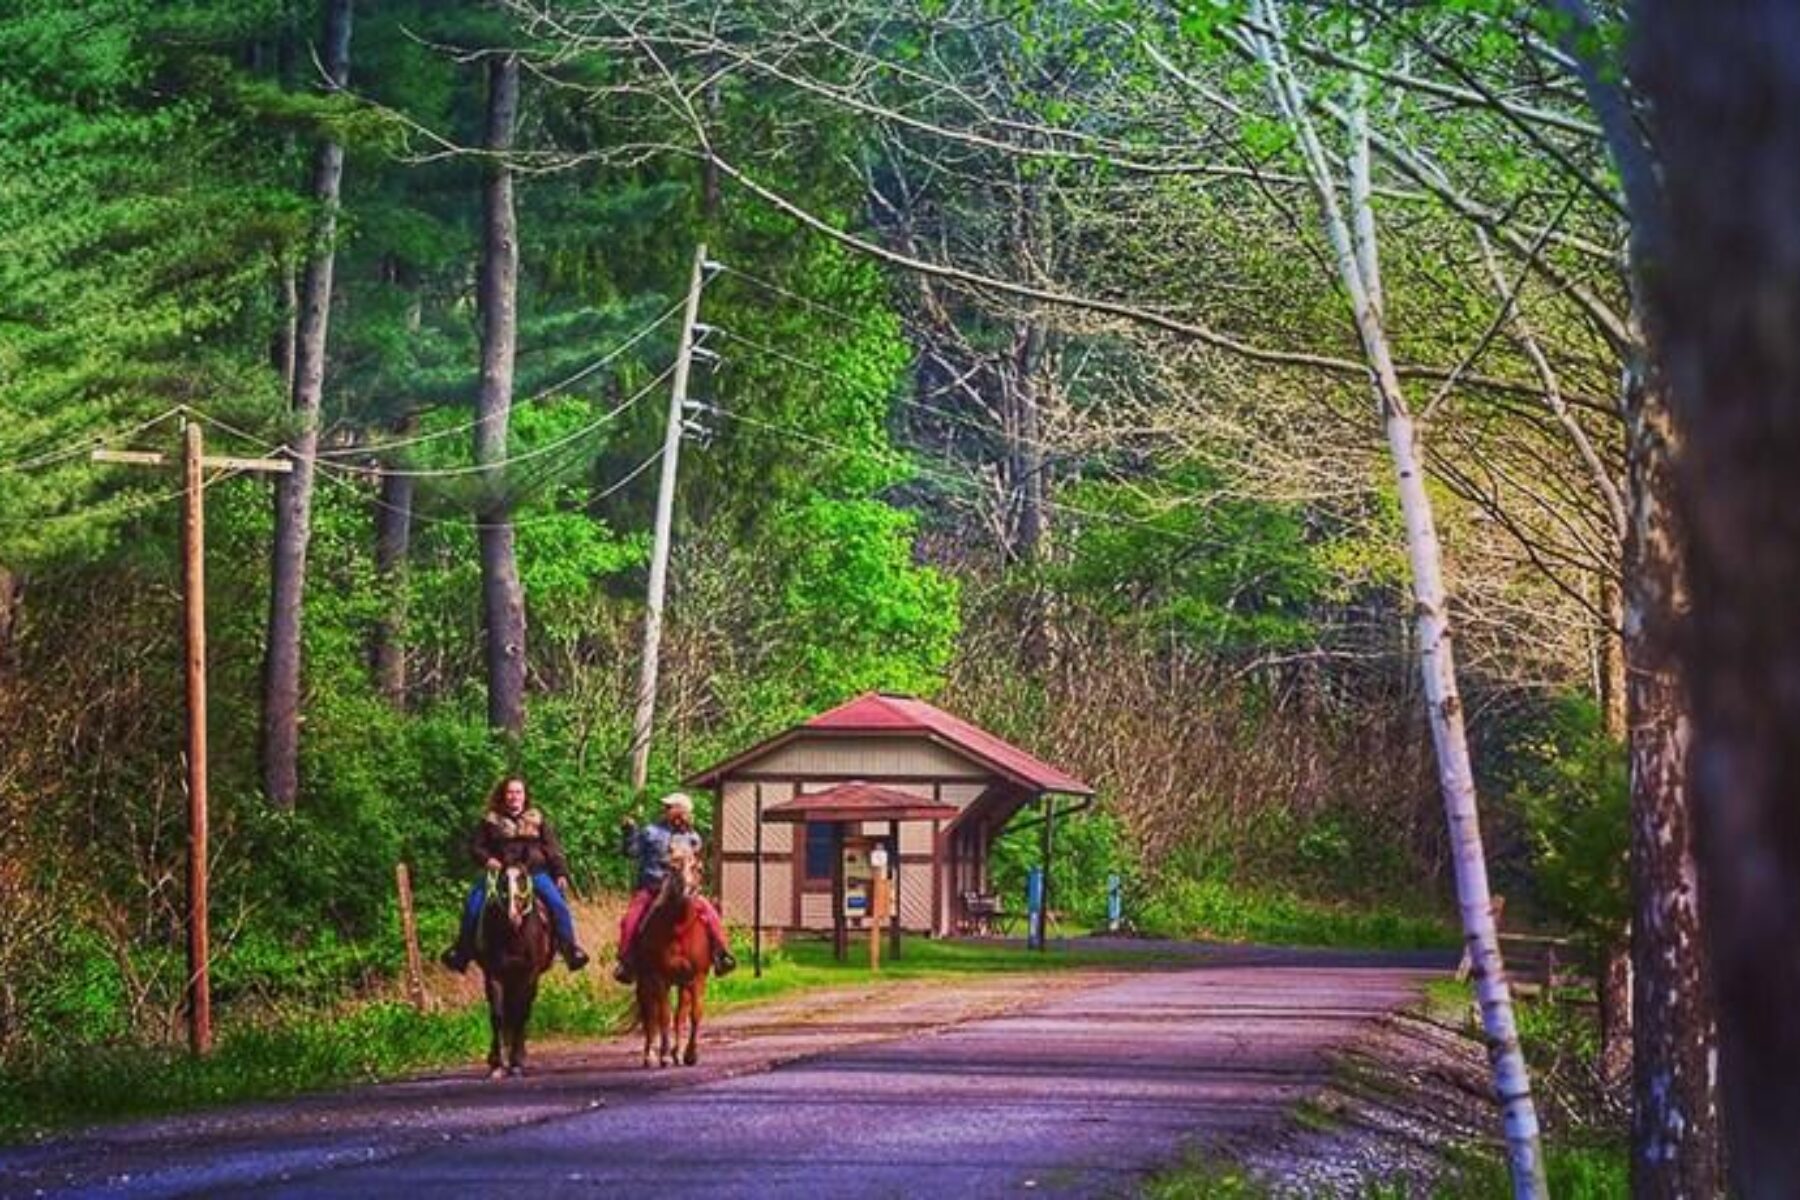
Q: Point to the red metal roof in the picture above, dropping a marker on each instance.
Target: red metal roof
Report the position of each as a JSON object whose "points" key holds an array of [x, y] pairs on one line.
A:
{"points": [[860, 801], [885, 713], [880, 712]]}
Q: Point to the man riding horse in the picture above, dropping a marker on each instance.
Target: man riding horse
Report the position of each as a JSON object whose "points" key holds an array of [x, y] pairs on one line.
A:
{"points": [[650, 847], [512, 833]]}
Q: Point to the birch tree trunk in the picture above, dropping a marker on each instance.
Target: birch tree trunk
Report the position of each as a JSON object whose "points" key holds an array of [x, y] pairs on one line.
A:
{"points": [[503, 596], [1357, 258], [1029, 466], [293, 493], [1724, 302]]}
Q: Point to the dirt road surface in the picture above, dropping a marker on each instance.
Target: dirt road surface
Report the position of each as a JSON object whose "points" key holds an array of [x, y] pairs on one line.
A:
{"points": [[1069, 1083]]}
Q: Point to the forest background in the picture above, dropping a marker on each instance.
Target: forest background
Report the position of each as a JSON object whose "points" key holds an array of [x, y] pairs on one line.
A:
{"points": [[1107, 480]]}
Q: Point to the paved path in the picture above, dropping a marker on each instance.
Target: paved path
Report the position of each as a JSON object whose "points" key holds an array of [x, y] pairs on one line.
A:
{"points": [[1092, 1082]]}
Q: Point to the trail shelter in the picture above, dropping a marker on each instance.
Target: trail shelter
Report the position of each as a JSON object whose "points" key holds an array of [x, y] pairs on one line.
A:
{"points": [[882, 770]]}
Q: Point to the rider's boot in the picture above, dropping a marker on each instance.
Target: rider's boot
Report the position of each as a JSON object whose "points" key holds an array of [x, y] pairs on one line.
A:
{"points": [[575, 956], [723, 963], [622, 972]]}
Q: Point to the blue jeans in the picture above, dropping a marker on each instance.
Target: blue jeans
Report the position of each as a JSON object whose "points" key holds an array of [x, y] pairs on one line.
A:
{"points": [[560, 917]]}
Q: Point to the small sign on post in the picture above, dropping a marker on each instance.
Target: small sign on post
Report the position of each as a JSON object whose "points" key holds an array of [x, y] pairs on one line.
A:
{"points": [[1115, 903], [878, 902]]}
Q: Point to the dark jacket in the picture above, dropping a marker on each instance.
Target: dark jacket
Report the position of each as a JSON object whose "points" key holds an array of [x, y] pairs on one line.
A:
{"points": [[528, 842]]}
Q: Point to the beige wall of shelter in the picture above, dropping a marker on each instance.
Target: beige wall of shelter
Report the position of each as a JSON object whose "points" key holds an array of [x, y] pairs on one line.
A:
{"points": [[794, 799]]}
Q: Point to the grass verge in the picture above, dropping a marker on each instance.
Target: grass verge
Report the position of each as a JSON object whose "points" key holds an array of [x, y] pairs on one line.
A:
{"points": [[1219, 910], [1587, 1172]]}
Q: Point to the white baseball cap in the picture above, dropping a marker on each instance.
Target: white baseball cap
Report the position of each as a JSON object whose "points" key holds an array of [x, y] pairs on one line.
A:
{"points": [[680, 800]]}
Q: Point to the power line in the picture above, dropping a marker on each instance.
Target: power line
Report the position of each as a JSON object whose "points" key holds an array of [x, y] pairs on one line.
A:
{"points": [[541, 394], [87, 445], [208, 419], [797, 298], [525, 456], [910, 402], [106, 508], [949, 478], [329, 471]]}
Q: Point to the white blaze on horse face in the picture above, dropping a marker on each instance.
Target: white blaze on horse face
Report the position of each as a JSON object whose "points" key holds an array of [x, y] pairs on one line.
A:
{"points": [[515, 896], [684, 864]]}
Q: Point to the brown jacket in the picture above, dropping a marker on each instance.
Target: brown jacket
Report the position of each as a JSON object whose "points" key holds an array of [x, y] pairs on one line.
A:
{"points": [[528, 841]]}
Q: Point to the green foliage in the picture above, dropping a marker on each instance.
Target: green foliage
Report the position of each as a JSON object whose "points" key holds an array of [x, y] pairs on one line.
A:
{"points": [[1598, 1170], [1214, 909], [83, 1083], [83, 995], [1228, 573], [856, 612], [138, 227], [1575, 793], [1089, 847]]}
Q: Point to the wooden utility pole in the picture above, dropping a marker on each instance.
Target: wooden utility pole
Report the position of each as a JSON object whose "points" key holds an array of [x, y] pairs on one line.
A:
{"points": [[665, 519], [193, 593]]}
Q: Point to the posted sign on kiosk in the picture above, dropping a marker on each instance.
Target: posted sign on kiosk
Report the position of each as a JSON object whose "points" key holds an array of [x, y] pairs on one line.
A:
{"points": [[859, 875], [864, 899]]}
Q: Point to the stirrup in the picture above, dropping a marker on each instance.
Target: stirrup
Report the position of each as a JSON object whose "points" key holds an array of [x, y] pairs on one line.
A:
{"points": [[723, 963]]}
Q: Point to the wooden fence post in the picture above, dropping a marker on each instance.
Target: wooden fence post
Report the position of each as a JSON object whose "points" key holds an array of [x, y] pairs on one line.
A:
{"points": [[409, 930]]}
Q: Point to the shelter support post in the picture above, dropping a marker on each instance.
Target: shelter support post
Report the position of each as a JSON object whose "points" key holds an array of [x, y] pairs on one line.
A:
{"points": [[756, 903], [1049, 854], [894, 895], [840, 929]]}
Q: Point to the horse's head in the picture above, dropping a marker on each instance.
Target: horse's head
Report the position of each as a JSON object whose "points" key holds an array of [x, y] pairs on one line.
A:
{"points": [[683, 879], [516, 887]]}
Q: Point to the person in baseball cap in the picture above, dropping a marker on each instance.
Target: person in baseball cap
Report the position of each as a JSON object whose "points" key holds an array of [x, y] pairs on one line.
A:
{"points": [[649, 847]]}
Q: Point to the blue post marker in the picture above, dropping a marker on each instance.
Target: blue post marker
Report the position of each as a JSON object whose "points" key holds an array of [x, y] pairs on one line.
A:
{"points": [[1034, 908], [1115, 903]]}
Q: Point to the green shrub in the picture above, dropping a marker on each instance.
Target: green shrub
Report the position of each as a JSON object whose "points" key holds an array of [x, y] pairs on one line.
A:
{"points": [[1173, 905]]}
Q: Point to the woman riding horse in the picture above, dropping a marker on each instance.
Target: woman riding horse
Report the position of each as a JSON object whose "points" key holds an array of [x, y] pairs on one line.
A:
{"points": [[516, 949], [513, 834], [651, 847]]}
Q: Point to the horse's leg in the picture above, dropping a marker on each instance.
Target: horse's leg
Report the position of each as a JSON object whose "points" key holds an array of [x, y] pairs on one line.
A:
{"points": [[693, 997], [646, 1013], [496, 998], [684, 1002], [665, 1018], [524, 996]]}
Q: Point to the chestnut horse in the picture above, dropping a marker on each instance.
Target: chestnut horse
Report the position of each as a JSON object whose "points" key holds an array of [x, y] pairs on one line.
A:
{"points": [[672, 950], [515, 947]]}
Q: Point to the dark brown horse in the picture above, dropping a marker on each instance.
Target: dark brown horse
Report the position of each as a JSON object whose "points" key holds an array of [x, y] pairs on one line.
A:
{"points": [[672, 951], [516, 947]]}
